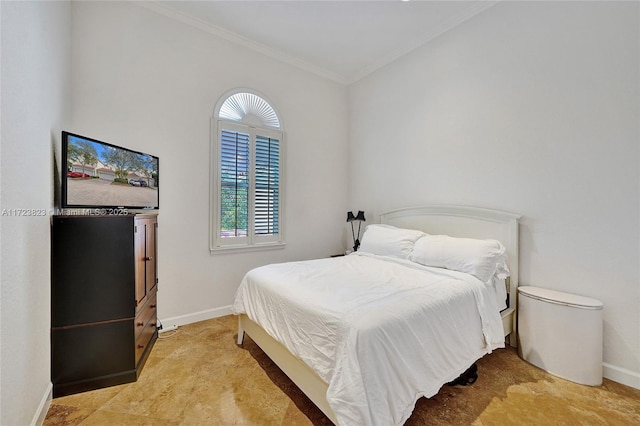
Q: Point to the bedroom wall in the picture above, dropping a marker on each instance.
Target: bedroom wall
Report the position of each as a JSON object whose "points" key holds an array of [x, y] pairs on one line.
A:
{"points": [[148, 82], [34, 85], [529, 107]]}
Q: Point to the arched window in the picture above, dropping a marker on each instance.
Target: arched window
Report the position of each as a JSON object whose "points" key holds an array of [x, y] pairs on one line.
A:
{"points": [[247, 190]]}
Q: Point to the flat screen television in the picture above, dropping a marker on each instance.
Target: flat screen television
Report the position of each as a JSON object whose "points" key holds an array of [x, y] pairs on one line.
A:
{"points": [[99, 175]]}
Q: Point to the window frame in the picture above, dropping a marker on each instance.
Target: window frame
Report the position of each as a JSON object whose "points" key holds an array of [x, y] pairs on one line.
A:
{"points": [[252, 241]]}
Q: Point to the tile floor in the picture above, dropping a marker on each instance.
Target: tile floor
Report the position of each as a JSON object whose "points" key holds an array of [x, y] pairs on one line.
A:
{"points": [[199, 376]]}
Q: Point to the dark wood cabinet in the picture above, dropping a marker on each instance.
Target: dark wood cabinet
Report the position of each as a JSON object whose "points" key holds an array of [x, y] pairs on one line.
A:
{"points": [[103, 299]]}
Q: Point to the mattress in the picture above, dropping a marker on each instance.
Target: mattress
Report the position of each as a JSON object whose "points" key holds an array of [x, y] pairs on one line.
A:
{"points": [[381, 332]]}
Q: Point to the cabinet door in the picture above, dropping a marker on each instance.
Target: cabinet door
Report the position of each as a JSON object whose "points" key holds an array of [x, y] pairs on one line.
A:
{"points": [[145, 253], [92, 268], [152, 251], [140, 232]]}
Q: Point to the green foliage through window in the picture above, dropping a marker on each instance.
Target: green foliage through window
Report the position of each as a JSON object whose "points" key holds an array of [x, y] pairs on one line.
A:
{"points": [[234, 164]]}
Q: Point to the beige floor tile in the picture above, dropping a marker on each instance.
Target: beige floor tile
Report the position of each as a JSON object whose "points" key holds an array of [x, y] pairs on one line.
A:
{"points": [[108, 418], [199, 376], [63, 415], [93, 399]]}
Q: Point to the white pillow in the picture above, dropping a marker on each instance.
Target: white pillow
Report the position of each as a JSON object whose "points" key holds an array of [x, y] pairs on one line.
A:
{"points": [[386, 240], [483, 259]]}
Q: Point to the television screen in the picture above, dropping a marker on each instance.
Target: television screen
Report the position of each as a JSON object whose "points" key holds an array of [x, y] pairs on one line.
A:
{"points": [[100, 175]]}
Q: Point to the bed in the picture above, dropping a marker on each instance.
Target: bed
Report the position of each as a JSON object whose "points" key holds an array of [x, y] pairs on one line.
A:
{"points": [[356, 333]]}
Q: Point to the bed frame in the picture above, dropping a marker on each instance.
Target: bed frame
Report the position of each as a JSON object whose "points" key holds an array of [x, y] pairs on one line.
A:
{"points": [[456, 221]]}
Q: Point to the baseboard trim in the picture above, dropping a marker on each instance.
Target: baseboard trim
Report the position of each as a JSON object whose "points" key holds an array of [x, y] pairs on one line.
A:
{"points": [[621, 375], [43, 407], [196, 316]]}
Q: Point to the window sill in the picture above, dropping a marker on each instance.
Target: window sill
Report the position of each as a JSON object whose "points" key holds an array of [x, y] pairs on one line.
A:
{"points": [[246, 248]]}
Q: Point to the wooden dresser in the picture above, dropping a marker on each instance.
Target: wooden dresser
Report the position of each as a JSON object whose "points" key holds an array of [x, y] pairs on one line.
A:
{"points": [[103, 299]]}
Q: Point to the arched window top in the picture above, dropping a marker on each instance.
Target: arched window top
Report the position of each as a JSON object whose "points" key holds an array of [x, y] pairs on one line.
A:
{"points": [[249, 108]]}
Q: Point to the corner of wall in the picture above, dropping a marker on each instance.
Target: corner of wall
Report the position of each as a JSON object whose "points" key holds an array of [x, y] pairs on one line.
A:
{"points": [[43, 407]]}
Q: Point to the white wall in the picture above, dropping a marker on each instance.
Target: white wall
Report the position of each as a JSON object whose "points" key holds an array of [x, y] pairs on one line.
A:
{"points": [[147, 82], [533, 108], [34, 86]]}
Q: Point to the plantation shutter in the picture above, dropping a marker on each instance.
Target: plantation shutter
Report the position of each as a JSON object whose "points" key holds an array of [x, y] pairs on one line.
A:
{"points": [[234, 179], [248, 194], [267, 185]]}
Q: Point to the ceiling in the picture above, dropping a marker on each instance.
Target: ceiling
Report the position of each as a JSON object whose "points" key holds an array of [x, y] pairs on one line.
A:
{"points": [[340, 40]]}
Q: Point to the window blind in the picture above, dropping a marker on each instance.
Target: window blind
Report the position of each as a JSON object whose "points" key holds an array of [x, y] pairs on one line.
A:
{"points": [[267, 185], [234, 173]]}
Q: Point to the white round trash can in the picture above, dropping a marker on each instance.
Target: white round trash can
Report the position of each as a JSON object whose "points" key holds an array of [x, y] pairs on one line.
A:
{"points": [[561, 333]]}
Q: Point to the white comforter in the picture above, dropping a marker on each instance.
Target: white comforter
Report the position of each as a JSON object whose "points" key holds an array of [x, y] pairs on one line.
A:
{"points": [[381, 332]]}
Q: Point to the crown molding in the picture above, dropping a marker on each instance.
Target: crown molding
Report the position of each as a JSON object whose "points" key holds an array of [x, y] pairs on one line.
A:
{"points": [[473, 10], [437, 31], [240, 40]]}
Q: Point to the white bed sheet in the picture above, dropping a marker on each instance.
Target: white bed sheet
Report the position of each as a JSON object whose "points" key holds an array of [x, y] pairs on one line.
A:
{"points": [[500, 294], [382, 332]]}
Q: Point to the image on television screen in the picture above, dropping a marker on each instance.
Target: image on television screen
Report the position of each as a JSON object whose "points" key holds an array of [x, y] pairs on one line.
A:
{"points": [[104, 175]]}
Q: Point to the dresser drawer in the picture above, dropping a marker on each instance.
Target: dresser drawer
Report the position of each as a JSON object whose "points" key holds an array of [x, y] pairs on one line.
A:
{"points": [[148, 313], [145, 339], [90, 351]]}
